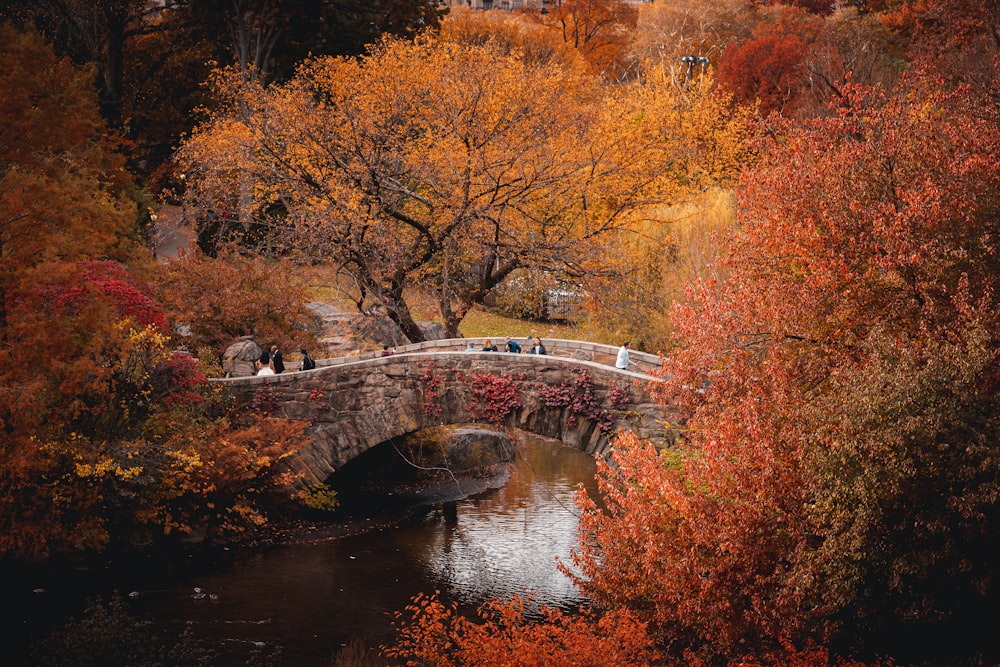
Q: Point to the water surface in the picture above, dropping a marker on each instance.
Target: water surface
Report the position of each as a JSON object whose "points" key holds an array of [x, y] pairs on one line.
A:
{"points": [[312, 598]]}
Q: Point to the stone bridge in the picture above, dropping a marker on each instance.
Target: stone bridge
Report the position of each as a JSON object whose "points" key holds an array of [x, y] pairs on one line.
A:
{"points": [[573, 394]]}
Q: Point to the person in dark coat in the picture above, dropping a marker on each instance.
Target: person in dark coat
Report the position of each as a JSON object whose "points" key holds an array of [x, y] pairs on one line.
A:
{"points": [[510, 345], [276, 361]]}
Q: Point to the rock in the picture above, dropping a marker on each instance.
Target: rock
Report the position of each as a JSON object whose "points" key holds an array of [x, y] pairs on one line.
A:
{"points": [[240, 358], [433, 330], [437, 464], [460, 448], [346, 333]]}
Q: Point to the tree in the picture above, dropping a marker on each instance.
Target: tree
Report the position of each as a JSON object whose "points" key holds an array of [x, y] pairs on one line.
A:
{"points": [[432, 633], [49, 168], [693, 142], [769, 68], [106, 432], [232, 295], [956, 40], [94, 32], [430, 163], [598, 29], [838, 479], [668, 31], [511, 33]]}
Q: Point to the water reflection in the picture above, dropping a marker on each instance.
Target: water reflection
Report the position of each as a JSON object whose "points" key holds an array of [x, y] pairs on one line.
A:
{"points": [[506, 542], [312, 598]]}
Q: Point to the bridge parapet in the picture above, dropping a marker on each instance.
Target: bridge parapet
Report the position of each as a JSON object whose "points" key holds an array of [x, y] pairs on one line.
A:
{"points": [[354, 405], [558, 347]]}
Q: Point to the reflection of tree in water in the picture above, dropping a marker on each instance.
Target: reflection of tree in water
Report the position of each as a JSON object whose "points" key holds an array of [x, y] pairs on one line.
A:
{"points": [[506, 541]]}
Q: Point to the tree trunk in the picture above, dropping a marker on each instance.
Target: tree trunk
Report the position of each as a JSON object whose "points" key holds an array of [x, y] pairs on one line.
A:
{"points": [[452, 317], [399, 312], [116, 18]]}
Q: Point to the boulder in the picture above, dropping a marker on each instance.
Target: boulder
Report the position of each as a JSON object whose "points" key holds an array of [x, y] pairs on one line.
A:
{"points": [[240, 358], [381, 329], [462, 448]]}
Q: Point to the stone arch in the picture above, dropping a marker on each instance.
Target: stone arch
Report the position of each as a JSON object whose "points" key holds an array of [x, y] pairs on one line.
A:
{"points": [[354, 405]]}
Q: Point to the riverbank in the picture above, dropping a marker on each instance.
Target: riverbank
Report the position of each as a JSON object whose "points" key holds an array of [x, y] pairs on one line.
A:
{"points": [[411, 501]]}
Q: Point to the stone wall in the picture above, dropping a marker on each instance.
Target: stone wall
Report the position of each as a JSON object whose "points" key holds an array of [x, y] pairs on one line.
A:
{"points": [[558, 347], [354, 405]]}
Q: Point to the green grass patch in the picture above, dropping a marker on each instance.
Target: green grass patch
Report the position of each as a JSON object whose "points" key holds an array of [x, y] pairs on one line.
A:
{"points": [[484, 324]]}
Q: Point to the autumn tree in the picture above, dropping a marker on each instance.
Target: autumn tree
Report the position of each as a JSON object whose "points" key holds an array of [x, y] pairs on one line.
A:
{"points": [[854, 47], [669, 30], [433, 163], [108, 433], [90, 32], [233, 295], [431, 633], [838, 479], [954, 39], [695, 143], [511, 33], [598, 29], [768, 68], [50, 166]]}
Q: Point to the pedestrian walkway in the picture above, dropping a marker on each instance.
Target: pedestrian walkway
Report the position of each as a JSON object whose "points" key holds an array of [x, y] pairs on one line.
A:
{"points": [[171, 232]]}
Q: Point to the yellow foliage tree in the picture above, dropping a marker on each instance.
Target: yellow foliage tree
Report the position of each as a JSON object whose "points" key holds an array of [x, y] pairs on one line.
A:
{"points": [[435, 163], [512, 32], [691, 142]]}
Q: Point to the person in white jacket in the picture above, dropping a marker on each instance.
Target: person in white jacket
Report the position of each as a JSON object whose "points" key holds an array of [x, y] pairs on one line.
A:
{"points": [[623, 361]]}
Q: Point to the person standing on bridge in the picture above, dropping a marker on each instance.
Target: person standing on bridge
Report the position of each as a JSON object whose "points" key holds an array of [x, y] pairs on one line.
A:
{"points": [[510, 345], [277, 363], [537, 348], [488, 346], [307, 362], [624, 361]]}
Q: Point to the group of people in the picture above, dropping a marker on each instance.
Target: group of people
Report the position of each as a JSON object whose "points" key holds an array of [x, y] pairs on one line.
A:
{"points": [[271, 362], [622, 362], [509, 345]]}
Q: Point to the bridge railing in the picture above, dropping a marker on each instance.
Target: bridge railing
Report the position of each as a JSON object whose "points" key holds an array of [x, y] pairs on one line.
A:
{"points": [[559, 347]]}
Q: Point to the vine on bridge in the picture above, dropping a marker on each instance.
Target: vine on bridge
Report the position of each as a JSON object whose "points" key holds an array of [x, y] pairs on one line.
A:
{"points": [[432, 386], [496, 396], [581, 401]]}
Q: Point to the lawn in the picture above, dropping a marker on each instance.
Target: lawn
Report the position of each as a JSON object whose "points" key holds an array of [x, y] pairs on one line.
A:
{"points": [[478, 323], [484, 324]]}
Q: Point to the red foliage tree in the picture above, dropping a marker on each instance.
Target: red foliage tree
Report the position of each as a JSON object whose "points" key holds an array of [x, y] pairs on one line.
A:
{"points": [[767, 70], [838, 479], [104, 433], [432, 633]]}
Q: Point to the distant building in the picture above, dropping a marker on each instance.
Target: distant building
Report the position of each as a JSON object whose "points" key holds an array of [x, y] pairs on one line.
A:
{"points": [[510, 5], [498, 4]]}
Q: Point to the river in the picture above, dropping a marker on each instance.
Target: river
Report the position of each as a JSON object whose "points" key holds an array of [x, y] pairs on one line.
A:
{"points": [[310, 599]]}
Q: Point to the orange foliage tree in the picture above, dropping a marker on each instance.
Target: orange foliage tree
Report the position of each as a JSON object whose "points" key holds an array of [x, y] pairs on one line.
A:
{"points": [[838, 479], [599, 29], [511, 32], [234, 295], [431, 163], [667, 31], [106, 433], [431, 633]]}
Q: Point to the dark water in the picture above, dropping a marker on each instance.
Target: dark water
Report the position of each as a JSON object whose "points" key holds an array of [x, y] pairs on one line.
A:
{"points": [[311, 599]]}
